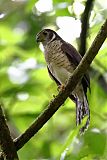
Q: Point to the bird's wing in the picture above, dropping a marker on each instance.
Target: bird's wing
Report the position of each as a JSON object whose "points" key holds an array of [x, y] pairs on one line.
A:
{"points": [[51, 75], [58, 83], [75, 57], [71, 53]]}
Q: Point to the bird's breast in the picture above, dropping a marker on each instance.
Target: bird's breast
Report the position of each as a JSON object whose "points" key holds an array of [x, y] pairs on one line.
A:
{"points": [[57, 61], [55, 55]]}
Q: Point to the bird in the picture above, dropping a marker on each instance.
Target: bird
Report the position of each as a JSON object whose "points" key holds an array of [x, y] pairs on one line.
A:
{"points": [[62, 59]]}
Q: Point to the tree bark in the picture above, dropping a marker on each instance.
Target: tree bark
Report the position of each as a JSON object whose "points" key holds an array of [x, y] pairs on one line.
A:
{"points": [[6, 142]]}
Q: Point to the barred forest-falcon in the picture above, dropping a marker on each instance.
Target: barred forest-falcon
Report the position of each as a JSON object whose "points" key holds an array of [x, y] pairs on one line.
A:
{"points": [[62, 59]]}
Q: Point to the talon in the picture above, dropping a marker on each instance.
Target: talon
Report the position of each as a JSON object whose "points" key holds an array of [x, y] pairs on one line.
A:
{"points": [[61, 87]]}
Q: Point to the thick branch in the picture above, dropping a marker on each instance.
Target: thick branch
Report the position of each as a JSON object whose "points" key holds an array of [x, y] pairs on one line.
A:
{"points": [[62, 96], [6, 142], [85, 26]]}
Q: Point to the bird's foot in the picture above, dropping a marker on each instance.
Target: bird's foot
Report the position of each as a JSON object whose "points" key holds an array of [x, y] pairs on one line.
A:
{"points": [[61, 87]]}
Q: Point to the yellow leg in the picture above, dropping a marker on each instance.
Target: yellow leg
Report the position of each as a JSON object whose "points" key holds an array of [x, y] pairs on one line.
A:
{"points": [[61, 87]]}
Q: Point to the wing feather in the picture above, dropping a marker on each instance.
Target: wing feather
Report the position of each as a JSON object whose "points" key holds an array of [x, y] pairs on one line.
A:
{"points": [[75, 58]]}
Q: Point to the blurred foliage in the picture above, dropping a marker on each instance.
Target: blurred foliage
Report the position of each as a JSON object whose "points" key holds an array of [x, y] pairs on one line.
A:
{"points": [[26, 89]]}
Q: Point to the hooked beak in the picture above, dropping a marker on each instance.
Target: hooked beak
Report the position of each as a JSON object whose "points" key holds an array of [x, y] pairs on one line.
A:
{"points": [[39, 38]]}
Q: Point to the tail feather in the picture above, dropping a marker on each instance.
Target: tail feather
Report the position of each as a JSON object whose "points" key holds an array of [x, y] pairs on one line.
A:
{"points": [[82, 110]]}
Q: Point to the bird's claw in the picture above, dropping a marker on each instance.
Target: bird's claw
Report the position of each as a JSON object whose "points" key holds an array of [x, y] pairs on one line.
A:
{"points": [[61, 87]]}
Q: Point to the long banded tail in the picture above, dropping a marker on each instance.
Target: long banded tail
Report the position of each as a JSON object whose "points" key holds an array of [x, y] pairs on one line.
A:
{"points": [[82, 110]]}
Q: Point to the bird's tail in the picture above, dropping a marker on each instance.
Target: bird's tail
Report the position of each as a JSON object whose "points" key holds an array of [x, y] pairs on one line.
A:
{"points": [[82, 110]]}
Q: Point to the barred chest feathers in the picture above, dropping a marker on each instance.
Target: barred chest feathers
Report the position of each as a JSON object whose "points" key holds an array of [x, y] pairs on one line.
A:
{"points": [[57, 61], [62, 59]]}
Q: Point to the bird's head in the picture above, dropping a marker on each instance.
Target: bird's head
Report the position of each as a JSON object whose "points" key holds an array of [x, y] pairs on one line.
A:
{"points": [[46, 36]]}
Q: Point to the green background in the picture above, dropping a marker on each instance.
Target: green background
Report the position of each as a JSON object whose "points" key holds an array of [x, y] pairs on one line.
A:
{"points": [[26, 88]]}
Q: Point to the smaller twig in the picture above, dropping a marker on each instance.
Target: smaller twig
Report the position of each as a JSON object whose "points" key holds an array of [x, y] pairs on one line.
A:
{"points": [[6, 142]]}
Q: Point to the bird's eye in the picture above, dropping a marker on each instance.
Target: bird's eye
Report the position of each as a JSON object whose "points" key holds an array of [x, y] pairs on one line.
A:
{"points": [[45, 33]]}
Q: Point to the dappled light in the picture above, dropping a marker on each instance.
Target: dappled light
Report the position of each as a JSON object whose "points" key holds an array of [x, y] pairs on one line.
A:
{"points": [[26, 88]]}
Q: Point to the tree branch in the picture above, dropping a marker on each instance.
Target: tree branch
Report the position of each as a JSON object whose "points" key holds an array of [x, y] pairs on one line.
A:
{"points": [[62, 96], [6, 142], [83, 37], [84, 26]]}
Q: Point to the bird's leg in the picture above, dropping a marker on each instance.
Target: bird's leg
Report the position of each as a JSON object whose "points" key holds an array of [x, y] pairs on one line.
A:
{"points": [[61, 87]]}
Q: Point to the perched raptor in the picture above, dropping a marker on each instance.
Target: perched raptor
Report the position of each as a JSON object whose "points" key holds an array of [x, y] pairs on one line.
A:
{"points": [[62, 59]]}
